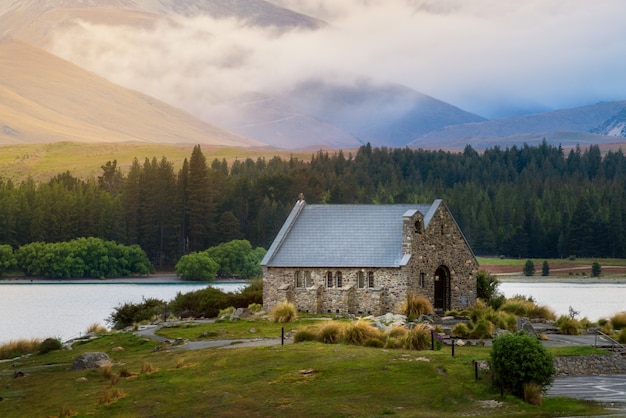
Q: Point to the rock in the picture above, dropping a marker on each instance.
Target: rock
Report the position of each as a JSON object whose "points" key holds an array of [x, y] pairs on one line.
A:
{"points": [[90, 360], [117, 349], [82, 379]]}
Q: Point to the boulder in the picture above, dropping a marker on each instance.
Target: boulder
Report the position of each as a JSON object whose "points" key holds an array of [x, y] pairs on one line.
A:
{"points": [[90, 360]]}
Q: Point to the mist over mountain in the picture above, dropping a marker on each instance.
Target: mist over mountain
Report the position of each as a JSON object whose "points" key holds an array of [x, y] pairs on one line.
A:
{"points": [[306, 74]]}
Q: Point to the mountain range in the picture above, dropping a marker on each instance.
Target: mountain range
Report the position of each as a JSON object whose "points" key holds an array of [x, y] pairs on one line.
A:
{"points": [[45, 97]]}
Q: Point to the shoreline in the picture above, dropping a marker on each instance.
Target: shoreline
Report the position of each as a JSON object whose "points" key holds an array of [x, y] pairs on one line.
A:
{"points": [[165, 278]]}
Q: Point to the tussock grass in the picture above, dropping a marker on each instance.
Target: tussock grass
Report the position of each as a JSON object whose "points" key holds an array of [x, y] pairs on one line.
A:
{"points": [[284, 312], [532, 393], [17, 348], [360, 331], [111, 395], [96, 329], [418, 338], [619, 320], [147, 368], [67, 412], [416, 305], [568, 326], [331, 332], [305, 335]]}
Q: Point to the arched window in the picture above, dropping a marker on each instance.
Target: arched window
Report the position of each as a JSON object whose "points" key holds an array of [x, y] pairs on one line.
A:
{"points": [[298, 276], [339, 279], [370, 279], [360, 278], [308, 280], [329, 279]]}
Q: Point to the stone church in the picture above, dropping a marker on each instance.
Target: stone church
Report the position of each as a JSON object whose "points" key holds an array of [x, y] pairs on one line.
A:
{"points": [[365, 259]]}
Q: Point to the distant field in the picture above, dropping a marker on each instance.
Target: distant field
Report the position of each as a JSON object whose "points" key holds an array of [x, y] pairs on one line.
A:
{"points": [[558, 266], [43, 161]]}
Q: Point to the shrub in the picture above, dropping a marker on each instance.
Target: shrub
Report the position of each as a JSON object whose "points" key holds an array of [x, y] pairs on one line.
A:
{"points": [[133, 313], [418, 338], [330, 332], [541, 311], [304, 335], [147, 367], [50, 344], [96, 329], [478, 311], [596, 270], [397, 331], [517, 359], [506, 321], [255, 307], [619, 320], [226, 311], [360, 331], [482, 329], [197, 266], [205, 302], [461, 330], [284, 312], [545, 268], [374, 343], [486, 285], [621, 337], [568, 326], [415, 305]]}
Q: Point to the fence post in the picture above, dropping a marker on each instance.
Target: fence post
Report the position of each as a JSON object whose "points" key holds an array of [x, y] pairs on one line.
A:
{"points": [[432, 339], [452, 347], [282, 336]]}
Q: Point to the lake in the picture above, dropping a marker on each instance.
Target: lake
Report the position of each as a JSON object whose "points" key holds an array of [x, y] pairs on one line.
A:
{"points": [[593, 300], [66, 310]]}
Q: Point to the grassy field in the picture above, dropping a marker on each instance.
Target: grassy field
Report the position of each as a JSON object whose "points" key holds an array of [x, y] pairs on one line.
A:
{"points": [[560, 268], [43, 161], [342, 381]]}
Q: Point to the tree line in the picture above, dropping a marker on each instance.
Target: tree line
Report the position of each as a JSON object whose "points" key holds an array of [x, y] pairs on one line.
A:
{"points": [[529, 201]]}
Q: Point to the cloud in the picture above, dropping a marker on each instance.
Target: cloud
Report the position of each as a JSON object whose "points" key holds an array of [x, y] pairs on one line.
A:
{"points": [[491, 57]]}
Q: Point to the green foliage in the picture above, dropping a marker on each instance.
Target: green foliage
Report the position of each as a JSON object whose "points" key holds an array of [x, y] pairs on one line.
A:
{"points": [[128, 314], [237, 258], [7, 259], [621, 337], [596, 270], [461, 330], [619, 320], [482, 329], [196, 266], [517, 359], [200, 303], [545, 268], [568, 326], [486, 285], [529, 268], [82, 258], [50, 344]]}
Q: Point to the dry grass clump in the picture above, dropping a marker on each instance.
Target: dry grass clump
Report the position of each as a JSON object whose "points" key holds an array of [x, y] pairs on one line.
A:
{"points": [[416, 305], [107, 371], [17, 348], [568, 326], [621, 337], [418, 338], [284, 312], [532, 393], [522, 306], [305, 335], [395, 336], [461, 330], [330, 332], [97, 329], [619, 320], [543, 312], [67, 412], [359, 332], [124, 373], [148, 368], [111, 395]]}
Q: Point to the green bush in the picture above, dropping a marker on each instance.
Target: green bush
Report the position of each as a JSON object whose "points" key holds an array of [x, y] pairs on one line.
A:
{"points": [[621, 337], [517, 359], [596, 270], [304, 335], [461, 330], [205, 303], [568, 326], [486, 285], [50, 344], [529, 268], [374, 343], [197, 266], [131, 313], [482, 329]]}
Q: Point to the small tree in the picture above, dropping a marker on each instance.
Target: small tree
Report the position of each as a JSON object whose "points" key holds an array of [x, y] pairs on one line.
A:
{"points": [[596, 270], [545, 268], [486, 285], [519, 359], [7, 259], [529, 268]]}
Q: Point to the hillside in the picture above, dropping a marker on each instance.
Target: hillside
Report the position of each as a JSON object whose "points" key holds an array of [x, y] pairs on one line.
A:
{"points": [[46, 99]]}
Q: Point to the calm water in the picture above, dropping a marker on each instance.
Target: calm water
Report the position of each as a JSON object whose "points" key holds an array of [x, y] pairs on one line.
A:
{"points": [[592, 300], [66, 310]]}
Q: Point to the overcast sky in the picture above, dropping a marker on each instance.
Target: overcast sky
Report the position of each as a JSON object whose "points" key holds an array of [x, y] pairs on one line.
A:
{"points": [[490, 57]]}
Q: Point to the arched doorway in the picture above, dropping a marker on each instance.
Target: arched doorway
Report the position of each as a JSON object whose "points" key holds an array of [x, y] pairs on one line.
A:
{"points": [[442, 288]]}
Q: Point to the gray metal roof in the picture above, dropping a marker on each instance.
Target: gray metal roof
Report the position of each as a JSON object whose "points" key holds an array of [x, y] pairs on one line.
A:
{"points": [[343, 236]]}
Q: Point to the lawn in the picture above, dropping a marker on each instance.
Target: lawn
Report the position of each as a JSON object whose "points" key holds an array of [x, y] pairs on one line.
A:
{"points": [[307, 379]]}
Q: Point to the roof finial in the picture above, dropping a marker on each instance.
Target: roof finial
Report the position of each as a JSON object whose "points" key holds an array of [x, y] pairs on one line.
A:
{"points": [[300, 197]]}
